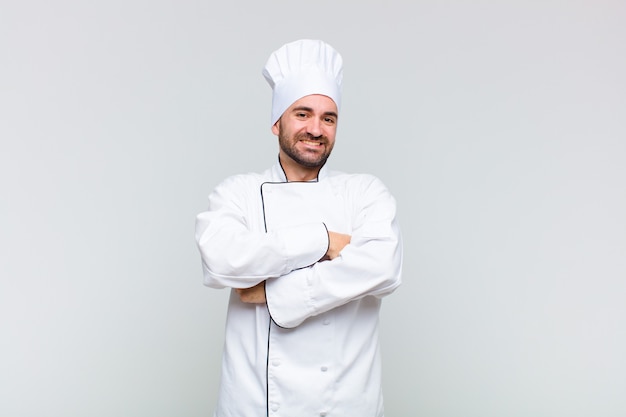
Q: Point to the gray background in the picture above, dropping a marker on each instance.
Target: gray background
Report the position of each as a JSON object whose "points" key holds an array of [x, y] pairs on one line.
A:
{"points": [[499, 126]]}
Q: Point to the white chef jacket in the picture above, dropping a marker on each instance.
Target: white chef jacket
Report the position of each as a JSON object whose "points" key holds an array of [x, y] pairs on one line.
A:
{"points": [[313, 349]]}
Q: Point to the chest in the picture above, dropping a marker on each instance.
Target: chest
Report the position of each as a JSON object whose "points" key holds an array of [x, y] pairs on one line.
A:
{"points": [[293, 203]]}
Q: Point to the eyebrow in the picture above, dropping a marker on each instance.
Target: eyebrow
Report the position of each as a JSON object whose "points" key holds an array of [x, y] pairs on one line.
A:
{"points": [[310, 110]]}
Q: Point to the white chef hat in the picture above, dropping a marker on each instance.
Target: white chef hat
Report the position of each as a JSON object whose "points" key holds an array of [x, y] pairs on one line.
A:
{"points": [[302, 68]]}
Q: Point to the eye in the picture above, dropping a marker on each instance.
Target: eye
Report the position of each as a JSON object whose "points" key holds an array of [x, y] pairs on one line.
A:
{"points": [[330, 120], [301, 115]]}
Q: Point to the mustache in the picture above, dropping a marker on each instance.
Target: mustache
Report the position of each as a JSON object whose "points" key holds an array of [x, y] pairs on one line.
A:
{"points": [[308, 136]]}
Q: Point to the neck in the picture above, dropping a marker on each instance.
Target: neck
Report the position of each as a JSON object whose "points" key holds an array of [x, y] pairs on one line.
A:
{"points": [[296, 172]]}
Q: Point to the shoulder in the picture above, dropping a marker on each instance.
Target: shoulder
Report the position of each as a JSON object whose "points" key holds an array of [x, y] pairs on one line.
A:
{"points": [[238, 188], [362, 190], [359, 181], [242, 181]]}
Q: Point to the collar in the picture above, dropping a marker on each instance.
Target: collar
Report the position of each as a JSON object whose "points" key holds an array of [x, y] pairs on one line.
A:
{"points": [[278, 174]]}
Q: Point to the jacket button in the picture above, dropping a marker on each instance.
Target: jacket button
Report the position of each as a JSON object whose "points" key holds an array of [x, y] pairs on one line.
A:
{"points": [[326, 322], [324, 368], [323, 413], [275, 406], [276, 362]]}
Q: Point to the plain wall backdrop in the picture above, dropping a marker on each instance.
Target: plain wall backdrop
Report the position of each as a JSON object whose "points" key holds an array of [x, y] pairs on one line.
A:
{"points": [[500, 127]]}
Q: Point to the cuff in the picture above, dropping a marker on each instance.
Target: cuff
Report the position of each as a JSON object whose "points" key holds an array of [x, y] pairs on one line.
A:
{"points": [[304, 245], [288, 298]]}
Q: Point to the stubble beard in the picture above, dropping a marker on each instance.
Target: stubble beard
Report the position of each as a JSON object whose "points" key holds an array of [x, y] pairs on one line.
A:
{"points": [[289, 148]]}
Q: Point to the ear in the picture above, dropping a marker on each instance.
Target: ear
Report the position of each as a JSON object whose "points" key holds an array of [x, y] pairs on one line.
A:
{"points": [[276, 127]]}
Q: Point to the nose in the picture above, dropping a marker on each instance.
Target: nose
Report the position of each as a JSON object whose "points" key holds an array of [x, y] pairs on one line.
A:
{"points": [[314, 127]]}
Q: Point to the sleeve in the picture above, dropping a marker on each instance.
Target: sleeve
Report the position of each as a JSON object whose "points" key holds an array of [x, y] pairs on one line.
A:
{"points": [[369, 266], [234, 255]]}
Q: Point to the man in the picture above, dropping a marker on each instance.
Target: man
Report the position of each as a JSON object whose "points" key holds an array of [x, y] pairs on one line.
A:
{"points": [[309, 253]]}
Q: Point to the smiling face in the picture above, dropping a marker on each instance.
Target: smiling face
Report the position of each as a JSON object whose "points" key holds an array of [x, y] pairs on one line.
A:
{"points": [[306, 135]]}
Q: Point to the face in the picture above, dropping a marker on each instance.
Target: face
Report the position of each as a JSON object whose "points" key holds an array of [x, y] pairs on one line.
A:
{"points": [[306, 131]]}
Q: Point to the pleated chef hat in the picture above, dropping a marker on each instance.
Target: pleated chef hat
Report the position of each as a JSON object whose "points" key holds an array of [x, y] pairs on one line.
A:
{"points": [[302, 68]]}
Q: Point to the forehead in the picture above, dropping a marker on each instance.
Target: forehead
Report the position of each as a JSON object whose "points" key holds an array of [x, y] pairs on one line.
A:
{"points": [[316, 102]]}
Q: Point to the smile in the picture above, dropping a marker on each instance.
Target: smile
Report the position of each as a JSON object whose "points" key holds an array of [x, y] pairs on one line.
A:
{"points": [[311, 142]]}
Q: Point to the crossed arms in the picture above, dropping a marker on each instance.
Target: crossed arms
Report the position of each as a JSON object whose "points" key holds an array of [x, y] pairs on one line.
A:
{"points": [[256, 294], [301, 270]]}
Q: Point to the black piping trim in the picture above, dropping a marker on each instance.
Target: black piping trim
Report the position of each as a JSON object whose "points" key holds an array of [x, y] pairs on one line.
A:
{"points": [[272, 319], [267, 370], [278, 182], [269, 329], [263, 206], [280, 164], [317, 179], [327, 247]]}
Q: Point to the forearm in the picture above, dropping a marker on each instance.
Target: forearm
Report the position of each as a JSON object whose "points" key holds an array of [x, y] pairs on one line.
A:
{"points": [[232, 257], [365, 268], [235, 248]]}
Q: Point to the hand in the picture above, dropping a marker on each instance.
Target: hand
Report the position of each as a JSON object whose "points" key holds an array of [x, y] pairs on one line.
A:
{"points": [[252, 295], [337, 241]]}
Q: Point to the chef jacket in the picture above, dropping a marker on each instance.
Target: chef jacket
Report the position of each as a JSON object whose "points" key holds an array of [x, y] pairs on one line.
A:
{"points": [[312, 349]]}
